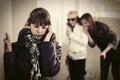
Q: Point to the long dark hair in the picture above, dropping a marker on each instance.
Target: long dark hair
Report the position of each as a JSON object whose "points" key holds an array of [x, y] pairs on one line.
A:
{"points": [[39, 16], [88, 17]]}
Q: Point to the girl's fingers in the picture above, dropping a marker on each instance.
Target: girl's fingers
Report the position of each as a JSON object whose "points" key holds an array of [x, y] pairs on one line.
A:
{"points": [[104, 56], [7, 43], [7, 37], [101, 55], [4, 44], [4, 41], [50, 30]]}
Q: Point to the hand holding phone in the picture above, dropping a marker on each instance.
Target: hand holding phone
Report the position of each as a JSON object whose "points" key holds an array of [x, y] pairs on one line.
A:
{"points": [[68, 31], [48, 34]]}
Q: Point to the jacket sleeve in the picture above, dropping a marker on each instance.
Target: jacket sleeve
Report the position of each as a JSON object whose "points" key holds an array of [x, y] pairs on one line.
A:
{"points": [[110, 35], [83, 39], [50, 61], [9, 66], [105, 28], [9, 59], [91, 44]]}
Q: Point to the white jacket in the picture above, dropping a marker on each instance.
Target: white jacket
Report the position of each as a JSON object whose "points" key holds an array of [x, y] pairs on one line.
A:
{"points": [[77, 43]]}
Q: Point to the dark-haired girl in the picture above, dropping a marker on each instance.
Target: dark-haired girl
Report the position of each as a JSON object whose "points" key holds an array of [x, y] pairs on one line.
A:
{"points": [[100, 34], [36, 54]]}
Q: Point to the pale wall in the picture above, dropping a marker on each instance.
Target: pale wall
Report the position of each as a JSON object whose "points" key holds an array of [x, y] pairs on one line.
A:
{"points": [[5, 26]]}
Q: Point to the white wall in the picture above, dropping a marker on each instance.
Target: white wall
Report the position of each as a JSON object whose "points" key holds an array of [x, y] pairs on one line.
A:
{"points": [[100, 8], [20, 13], [5, 26]]}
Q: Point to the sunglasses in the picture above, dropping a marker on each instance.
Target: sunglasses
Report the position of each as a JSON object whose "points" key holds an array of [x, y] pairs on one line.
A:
{"points": [[71, 19]]}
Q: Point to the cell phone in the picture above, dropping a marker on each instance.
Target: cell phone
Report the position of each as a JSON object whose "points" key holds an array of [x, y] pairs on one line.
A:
{"points": [[45, 34]]}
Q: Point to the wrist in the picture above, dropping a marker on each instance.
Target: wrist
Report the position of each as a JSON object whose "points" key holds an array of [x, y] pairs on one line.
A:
{"points": [[104, 52], [10, 50], [47, 38]]}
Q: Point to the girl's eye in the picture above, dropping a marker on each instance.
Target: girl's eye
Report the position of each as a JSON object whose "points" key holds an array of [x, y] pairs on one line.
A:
{"points": [[44, 27], [36, 26]]}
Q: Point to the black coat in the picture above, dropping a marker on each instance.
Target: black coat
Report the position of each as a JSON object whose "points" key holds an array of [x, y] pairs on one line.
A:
{"points": [[102, 35], [17, 64]]}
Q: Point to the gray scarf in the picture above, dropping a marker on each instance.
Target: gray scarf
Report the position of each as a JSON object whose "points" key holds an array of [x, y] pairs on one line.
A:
{"points": [[31, 43]]}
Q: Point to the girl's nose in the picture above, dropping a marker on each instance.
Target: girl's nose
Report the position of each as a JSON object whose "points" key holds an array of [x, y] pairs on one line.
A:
{"points": [[84, 25], [39, 29]]}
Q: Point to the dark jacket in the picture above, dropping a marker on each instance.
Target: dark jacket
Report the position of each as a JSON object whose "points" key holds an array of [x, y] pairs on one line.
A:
{"points": [[17, 64], [102, 35]]}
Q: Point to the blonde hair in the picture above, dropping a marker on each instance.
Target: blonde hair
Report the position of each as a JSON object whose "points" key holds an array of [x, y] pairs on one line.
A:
{"points": [[73, 12]]}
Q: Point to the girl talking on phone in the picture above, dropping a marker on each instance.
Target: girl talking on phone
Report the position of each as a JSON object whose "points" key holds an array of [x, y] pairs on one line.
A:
{"points": [[36, 54]]}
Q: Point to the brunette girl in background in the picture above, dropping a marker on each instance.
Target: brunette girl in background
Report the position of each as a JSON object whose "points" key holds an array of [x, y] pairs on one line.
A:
{"points": [[99, 34]]}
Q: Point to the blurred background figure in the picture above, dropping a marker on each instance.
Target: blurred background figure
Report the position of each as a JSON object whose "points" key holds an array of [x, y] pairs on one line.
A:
{"points": [[77, 47], [99, 34]]}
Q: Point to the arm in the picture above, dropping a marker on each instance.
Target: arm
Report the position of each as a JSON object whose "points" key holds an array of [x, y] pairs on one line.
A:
{"points": [[57, 47], [50, 55], [9, 60], [9, 66], [50, 65], [83, 39], [111, 37], [106, 50], [91, 43]]}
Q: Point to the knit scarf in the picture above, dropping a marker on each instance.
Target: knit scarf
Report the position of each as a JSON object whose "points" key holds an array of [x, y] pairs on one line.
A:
{"points": [[31, 43]]}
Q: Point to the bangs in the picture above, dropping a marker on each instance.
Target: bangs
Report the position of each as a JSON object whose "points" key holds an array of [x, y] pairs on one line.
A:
{"points": [[41, 20], [40, 17]]}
